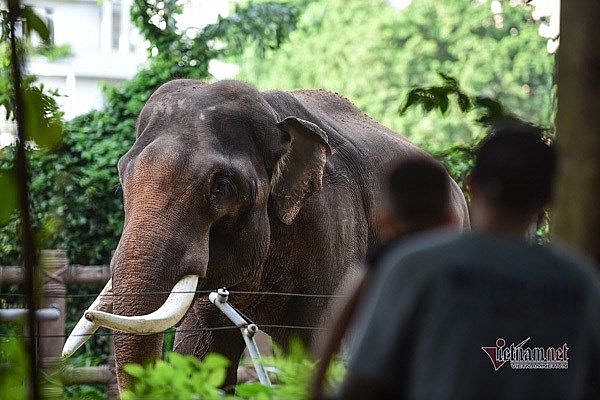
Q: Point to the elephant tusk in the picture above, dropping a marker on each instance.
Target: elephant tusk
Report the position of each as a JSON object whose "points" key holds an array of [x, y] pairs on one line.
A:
{"points": [[173, 309], [84, 328]]}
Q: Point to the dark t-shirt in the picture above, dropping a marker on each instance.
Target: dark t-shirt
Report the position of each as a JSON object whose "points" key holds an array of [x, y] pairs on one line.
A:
{"points": [[444, 310]]}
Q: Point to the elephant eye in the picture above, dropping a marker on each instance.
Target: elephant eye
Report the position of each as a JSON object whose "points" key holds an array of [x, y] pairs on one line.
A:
{"points": [[222, 189]]}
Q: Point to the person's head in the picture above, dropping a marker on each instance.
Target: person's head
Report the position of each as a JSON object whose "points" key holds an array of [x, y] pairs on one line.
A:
{"points": [[418, 197], [512, 179]]}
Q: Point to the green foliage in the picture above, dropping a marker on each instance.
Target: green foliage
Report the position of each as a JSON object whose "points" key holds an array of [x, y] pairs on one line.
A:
{"points": [[42, 118], [157, 24], [179, 377], [376, 55], [9, 200], [439, 97], [185, 377], [33, 23], [13, 368], [264, 24], [295, 369], [54, 52], [85, 392], [490, 113], [43, 121]]}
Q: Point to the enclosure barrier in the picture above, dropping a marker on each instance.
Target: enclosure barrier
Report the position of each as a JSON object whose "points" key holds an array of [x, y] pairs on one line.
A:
{"points": [[56, 276]]}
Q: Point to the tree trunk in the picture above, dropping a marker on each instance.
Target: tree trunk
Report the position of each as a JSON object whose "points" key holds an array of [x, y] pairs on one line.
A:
{"points": [[577, 216]]}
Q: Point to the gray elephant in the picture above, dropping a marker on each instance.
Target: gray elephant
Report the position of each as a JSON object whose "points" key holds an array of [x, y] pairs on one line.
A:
{"points": [[226, 186]]}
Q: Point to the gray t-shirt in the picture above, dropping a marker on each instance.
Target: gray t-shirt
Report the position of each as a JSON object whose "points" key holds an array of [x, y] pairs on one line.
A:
{"points": [[444, 310]]}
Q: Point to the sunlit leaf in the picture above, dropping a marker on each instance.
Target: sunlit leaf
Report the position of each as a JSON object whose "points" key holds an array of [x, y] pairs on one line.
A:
{"points": [[252, 390], [215, 360], [41, 125], [135, 370]]}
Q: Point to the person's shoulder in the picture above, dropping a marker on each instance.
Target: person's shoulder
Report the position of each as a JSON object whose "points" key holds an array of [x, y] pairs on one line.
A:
{"points": [[574, 262], [423, 241], [412, 250]]}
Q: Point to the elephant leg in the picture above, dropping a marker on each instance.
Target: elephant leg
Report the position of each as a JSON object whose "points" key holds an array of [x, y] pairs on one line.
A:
{"points": [[195, 336]]}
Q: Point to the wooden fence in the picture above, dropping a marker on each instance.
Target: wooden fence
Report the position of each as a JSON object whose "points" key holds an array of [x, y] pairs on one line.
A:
{"points": [[57, 275]]}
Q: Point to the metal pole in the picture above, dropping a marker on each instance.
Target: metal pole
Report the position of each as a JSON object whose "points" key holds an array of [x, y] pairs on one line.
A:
{"points": [[219, 299], [248, 334], [42, 314]]}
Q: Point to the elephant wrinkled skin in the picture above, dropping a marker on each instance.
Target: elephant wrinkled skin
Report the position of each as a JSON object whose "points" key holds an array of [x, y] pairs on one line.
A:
{"points": [[253, 191]]}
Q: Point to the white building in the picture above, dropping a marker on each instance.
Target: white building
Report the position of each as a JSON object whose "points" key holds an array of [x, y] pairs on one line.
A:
{"points": [[105, 46]]}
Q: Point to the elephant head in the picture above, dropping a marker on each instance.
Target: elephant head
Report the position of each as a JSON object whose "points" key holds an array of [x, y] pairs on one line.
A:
{"points": [[210, 163]]}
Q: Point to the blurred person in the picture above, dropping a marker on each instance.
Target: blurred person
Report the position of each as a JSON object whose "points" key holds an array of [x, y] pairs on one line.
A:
{"points": [[487, 314], [417, 199]]}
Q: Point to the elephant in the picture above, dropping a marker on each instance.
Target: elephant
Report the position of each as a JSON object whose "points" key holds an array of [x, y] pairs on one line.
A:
{"points": [[227, 186]]}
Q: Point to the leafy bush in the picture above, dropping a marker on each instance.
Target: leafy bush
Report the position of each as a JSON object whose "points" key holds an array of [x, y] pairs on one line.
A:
{"points": [[178, 378], [54, 52], [185, 377]]}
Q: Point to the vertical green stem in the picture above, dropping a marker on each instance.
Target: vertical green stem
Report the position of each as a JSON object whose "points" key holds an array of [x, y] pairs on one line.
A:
{"points": [[28, 251]]}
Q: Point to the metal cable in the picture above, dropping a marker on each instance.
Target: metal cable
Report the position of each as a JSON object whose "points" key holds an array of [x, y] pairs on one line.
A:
{"points": [[287, 294], [203, 329]]}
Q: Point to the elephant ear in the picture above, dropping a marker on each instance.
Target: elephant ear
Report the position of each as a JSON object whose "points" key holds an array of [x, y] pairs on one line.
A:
{"points": [[299, 172]]}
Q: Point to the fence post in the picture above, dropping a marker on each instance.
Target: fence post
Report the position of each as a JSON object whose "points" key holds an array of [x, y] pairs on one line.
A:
{"points": [[51, 333]]}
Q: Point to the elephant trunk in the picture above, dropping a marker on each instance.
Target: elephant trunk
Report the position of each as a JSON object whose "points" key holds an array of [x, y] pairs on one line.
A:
{"points": [[150, 296], [136, 292], [156, 267]]}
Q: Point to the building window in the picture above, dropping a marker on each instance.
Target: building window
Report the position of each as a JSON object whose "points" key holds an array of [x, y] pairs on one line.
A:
{"points": [[116, 25], [48, 12]]}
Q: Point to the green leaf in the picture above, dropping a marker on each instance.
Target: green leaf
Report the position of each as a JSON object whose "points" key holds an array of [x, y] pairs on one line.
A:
{"points": [[214, 360], [449, 81], [179, 361], [464, 103], [492, 106], [34, 23], [9, 198], [41, 124], [443, 103], [216, 377], [412, 98], [428, 104], [135, 370], [252, 389]]}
